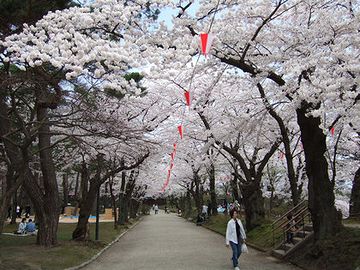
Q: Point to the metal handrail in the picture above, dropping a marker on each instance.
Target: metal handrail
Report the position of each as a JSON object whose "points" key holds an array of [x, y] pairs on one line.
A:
{"points": [[299, 210], [288, 212]]}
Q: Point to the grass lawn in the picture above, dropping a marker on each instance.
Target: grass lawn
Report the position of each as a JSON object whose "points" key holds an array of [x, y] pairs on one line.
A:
{"points": [[217, 223], [352, 221], [22, 252]]}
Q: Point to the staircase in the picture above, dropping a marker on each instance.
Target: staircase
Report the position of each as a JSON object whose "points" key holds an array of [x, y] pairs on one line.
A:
{"points": [[300, 225]]}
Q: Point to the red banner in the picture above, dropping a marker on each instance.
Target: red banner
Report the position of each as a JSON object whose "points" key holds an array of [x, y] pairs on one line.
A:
{"points": [[187, 98], [180, 129]]}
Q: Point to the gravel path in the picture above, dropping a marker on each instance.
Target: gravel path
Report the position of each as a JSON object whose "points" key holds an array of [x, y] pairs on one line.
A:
{"points": [[168, 242]]}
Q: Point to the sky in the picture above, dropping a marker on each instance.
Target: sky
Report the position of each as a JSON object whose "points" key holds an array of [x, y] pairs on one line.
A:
{"points": [[167, 14]]}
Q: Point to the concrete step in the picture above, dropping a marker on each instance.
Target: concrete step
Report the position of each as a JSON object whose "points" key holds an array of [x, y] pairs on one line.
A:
{"points": [[308, 228], [286, 247], [278, 253], [298, 240], [302, 234]]}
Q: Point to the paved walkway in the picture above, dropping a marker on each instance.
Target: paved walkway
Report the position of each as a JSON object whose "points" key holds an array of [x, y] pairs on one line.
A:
{"points": [[168, 242]]}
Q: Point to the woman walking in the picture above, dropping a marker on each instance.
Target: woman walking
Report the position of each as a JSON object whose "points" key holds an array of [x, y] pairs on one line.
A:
{"points": [[235, 237]]}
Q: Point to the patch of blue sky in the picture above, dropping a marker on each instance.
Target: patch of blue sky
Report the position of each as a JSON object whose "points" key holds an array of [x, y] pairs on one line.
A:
{"points": [[167, 14]]}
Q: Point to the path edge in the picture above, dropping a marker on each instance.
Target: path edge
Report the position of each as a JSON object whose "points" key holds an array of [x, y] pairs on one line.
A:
{"points": [[93, 258]]}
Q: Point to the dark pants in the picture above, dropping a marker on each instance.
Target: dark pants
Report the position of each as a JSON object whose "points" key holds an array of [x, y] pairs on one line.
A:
{"points": [[236, 249], [290, 237]]}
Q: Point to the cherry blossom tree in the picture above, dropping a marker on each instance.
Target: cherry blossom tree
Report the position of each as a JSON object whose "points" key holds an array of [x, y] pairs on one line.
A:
{"points": [[272, 48]]}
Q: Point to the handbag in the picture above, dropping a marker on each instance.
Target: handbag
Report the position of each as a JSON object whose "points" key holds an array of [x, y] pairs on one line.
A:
{"points": [[244, 248]]}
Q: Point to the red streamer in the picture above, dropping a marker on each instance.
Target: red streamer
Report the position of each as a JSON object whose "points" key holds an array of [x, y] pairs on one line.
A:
{"points": [[332, 131], [204, 41], [187, 97], [180, 129]]}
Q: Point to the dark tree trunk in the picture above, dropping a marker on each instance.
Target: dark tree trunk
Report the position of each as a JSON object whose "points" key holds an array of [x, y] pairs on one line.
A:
{"points": [[77, 185], [81, 233], [188, 207], [197, 201], [123, 209], [6, 200], [182, 203], [355, 196], [49, 217], [128, 194], [5, 203], [13, 209], [197, 195], [11, 189], [326, 220], [254, 205], [235, 189], [16, 163], [45, 199], [65, 185], [213, 203], [113, 202], [295, 191], [122, 202], [134, 207]]}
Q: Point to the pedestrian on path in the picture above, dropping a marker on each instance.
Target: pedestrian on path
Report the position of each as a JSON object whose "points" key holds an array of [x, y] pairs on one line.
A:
{"points": [[235, 237], [156, 209]]}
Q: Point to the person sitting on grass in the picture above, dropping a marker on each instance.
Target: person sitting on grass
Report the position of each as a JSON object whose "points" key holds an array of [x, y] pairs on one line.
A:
{"points": [[30, 227], [22, 226]]}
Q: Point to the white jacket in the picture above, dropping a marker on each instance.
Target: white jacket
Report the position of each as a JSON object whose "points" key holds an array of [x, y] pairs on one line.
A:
{"points": [[231, 231]]}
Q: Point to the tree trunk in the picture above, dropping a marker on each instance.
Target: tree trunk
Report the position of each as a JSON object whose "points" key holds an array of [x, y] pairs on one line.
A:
{"points": [[13, 209], [295, 192], [5, 203], [76, 195], [197, 201], [65, 185], [128, 194], [49, 217], [123, 209], [11, 186], [122, 203], [45, 200], [355, 196], [212, 190], [113, 202], [254, 204], [197, 195], [81, 232], [235, 189], [188, 208], [16, 164], [134, 207], [182, 203], [326, 221]]}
